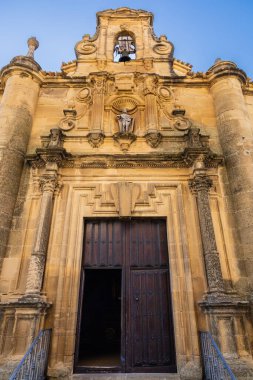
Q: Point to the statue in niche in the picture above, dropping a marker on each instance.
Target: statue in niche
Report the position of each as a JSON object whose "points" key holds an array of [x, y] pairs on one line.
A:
{"points": [[126, 122]]}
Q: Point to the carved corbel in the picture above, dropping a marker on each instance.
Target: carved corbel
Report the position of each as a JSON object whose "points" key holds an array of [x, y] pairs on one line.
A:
{"points": [[124, 140], [96, 139], [153, 139]]}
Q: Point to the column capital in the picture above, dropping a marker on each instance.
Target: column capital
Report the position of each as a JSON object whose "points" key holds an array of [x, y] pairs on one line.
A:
{"points": [[48, 183], [201, 182], [221, 69]]}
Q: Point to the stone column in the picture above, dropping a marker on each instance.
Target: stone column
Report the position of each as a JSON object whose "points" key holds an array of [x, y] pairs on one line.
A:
{"points": [[236, 138], [38, 257], [200, 186], [96, 136], [153, 137], [22, 81]]}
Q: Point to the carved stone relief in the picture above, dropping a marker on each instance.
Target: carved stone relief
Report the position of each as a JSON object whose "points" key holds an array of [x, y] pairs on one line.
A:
{"points": [[124, 140], [95, 139], [153, 139], [78, 107], [86, 46], [194, 138], [125, 195]]}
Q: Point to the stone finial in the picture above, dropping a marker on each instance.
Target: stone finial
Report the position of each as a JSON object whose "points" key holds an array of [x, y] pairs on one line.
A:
{"points": [[33, 44], [217, 60]]}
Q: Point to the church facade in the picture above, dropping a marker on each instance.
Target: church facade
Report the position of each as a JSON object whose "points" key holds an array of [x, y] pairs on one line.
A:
{"points": [[126, 207]]}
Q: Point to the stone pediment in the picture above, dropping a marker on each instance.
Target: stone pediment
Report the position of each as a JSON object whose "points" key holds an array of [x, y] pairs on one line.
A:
{"points": [[125, 12]]}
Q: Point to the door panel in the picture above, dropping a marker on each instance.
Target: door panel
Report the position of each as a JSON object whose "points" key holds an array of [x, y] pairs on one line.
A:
{"points": [[151, 338], [103, 244]]}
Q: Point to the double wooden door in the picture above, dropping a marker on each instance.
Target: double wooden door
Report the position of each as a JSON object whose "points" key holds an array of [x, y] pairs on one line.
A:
{"points": [[125, 317]]}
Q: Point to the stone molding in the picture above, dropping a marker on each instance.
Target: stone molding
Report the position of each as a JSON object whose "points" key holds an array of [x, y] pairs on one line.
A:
{"points": [[22, 65], [225, 68]]}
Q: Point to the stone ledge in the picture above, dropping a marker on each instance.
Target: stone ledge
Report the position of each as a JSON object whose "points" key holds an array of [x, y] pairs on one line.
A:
{"points": [[126, 376]]}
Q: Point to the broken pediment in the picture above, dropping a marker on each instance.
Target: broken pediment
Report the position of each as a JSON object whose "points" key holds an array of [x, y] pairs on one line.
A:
{"points": [[123, 36]]}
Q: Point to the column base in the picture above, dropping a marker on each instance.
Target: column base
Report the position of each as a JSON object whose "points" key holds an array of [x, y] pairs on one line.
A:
{"points": [[227, 318], [242, 368], [21, 321]]}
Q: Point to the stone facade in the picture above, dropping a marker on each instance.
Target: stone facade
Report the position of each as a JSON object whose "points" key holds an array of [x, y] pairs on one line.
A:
{"points": [[146, 137]]}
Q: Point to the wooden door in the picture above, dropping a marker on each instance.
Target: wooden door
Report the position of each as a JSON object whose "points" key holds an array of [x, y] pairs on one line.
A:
{"points": [[150, 346], [139, 248]]}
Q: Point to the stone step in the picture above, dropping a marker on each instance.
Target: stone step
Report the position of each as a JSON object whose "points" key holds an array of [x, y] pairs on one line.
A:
{"points": [[126, 376]]}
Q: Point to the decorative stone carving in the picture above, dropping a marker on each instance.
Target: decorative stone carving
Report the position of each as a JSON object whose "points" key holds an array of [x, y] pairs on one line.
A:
{"points": [[125, 102], [125, 195], [56, 138], [153, 139], [86, 48], [68, 122], [165, 93], [163, 47], [148, 63], [84, 95], [200, 186], [182, 123], [98, 85], [48, 183], [126, 122], [37, 262], [96, 139], [124, 82], [124, 140], [33, 44], [150, 85], [178, 111], [194, 138]]}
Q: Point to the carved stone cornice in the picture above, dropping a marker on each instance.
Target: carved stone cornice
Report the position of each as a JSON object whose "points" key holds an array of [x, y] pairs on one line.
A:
{"points": [[44, 155], [156, 160]]}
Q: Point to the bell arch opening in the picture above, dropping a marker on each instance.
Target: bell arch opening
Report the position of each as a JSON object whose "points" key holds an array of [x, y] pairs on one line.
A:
{"points": [[124, 47]]}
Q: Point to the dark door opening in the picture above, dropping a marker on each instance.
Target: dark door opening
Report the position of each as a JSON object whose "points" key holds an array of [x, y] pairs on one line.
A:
{"points": [[100, 333], [125, 315]]}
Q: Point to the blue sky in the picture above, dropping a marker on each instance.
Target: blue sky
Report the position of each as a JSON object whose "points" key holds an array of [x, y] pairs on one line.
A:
{"points": [[201, 30]]}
